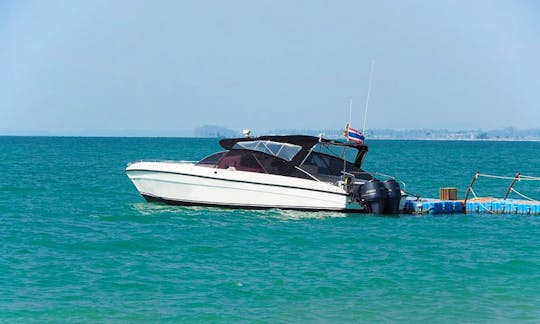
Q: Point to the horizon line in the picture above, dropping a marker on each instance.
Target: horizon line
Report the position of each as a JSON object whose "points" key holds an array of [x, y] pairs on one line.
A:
{"points": [[192, 132]]}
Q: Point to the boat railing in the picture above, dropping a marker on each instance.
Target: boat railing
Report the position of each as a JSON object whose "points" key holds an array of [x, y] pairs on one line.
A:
{"points": [[165, 161], [375, 175], [307, 173]]}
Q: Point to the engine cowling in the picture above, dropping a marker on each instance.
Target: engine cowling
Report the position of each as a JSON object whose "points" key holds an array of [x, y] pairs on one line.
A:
{"points": [[393, 197], [373, 195]]}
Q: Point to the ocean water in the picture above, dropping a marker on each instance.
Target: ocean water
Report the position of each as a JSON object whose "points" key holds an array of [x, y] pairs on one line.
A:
{"points": [[80, 245]]}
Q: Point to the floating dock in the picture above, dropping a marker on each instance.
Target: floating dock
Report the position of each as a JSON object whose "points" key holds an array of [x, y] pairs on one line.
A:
{"points": [[502, 206], [488, 205], [449, 204]]}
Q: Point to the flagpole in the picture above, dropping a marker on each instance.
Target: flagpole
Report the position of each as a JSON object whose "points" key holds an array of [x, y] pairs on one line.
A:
{"points": [[367, 98]]}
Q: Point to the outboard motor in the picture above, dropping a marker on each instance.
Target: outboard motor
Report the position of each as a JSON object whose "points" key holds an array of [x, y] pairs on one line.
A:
{"points": [[393, 193], [373, 195]]}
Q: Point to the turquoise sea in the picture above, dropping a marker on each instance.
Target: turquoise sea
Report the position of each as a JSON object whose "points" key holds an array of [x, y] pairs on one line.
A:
{"points": [[78, 243]]}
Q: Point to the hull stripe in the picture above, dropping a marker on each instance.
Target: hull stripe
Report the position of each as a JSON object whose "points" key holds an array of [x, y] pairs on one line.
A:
{"points": [[241, 181]]}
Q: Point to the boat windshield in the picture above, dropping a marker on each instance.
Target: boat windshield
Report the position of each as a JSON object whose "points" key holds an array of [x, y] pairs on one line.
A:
{"points": [[342, 152], [284, 151], [327, 162]]}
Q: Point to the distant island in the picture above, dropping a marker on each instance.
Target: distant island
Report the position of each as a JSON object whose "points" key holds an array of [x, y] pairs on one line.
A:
{"points": [[215, 131]]}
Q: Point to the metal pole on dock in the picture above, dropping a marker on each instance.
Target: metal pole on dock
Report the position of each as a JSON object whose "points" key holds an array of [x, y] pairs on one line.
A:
{"points": [[469, 191], [516, 178]]}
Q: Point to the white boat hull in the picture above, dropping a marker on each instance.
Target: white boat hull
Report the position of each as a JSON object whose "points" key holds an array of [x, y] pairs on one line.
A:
{"points": [[189, 184]]}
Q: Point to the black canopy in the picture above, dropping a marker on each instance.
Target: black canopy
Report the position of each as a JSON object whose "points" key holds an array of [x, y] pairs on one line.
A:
{"points": [[300, 140], [305, 141]]}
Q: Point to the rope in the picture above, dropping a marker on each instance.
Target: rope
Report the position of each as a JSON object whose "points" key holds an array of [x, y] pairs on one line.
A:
{"points": [[486, 209], [529, 178], [520, 178], [495, 177], [473, 193], [522, 195], [481, 204]]}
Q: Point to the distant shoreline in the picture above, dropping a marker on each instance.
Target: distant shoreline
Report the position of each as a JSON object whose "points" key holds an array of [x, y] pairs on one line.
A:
{"points": [[211, 131], [331, 137]]}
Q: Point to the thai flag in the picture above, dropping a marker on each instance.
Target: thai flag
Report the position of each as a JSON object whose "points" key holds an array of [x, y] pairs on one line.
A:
{"points": [[355, 135]]}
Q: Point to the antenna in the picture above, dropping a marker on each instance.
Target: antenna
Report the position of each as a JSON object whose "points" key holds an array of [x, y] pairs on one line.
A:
{"points": [[350, 111], [346, 133], [368, 93]]}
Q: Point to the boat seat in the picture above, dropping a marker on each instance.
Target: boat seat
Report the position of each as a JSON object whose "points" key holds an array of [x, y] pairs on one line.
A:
{"points": [[229, 161], [235, 163]]}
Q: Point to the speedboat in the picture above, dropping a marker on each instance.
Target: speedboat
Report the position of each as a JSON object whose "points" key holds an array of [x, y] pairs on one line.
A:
{"points": [[288, 172]]}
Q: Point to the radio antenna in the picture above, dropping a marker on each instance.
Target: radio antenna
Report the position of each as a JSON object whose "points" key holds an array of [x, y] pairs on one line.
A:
{"points": [[350, 111], [368, 93]]}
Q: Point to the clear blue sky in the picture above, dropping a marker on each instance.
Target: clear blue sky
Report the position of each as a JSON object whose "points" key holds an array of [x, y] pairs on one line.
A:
{"points": [[75, 66]]}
